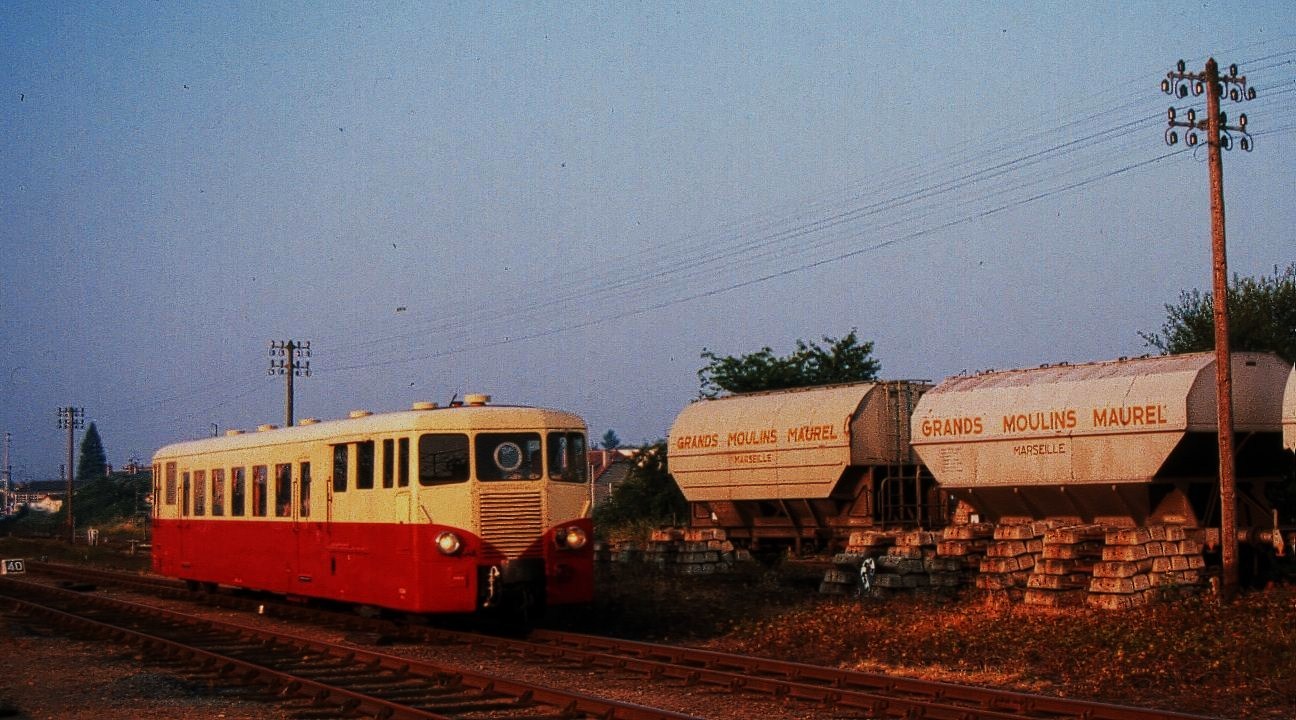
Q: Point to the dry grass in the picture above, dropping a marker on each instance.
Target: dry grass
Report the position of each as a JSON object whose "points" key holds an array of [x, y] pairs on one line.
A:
{"points": [[1200, 656]]}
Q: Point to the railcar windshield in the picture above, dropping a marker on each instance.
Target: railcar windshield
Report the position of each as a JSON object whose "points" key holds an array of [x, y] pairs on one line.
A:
{"points": [[567, 457], [509, 456], [442, 458]]}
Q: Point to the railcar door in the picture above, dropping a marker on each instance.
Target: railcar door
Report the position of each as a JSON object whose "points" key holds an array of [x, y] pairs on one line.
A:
{"points": [[183, 525], [307, 538]]}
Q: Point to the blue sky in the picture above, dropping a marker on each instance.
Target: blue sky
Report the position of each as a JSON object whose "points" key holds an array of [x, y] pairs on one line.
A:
{"points": [[563, 204]]}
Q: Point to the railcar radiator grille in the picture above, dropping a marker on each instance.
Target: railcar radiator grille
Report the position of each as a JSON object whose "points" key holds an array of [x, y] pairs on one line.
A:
{"points": [[512, 523]]}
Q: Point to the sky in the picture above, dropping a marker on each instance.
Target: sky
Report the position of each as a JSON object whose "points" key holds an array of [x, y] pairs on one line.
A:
{"points": [[564, 204]]}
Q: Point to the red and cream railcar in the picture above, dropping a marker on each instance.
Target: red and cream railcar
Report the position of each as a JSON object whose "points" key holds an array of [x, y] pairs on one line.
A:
{"points": [[431, 510]]}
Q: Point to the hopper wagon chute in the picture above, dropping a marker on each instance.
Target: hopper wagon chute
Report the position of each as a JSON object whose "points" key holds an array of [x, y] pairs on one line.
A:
{"points": [[806, 465], [1123, 443]]}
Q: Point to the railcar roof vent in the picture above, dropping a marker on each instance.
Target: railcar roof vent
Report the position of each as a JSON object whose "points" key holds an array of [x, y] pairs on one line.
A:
{"points": [[424, 406], [359, 414], [232, 432], [476, 399], [267, 427], [308, 421]]}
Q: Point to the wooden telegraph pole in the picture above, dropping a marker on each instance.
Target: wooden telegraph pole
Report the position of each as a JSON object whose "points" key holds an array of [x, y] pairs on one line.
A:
{"points": [[292, 361], [71, 419], [1177, 83]]}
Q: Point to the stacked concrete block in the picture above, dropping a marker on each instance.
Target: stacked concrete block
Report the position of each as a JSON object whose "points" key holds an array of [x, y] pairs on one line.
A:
{"points": [[965, 545], [905, 566], [1010, 559], [1139, 563], [845, 577], [691, 552], [1065, 566]]}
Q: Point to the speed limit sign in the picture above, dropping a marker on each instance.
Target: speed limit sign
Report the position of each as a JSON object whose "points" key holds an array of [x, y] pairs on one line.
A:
{"points": [[13, 567]]}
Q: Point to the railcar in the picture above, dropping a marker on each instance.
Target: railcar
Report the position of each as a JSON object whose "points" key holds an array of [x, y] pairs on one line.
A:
{"points": [[432, 510]]}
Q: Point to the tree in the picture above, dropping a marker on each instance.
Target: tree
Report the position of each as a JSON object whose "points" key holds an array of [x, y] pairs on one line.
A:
{"points": [[842, 360], [610, 440], [1262, 317], [93, 463], [648, 494]]}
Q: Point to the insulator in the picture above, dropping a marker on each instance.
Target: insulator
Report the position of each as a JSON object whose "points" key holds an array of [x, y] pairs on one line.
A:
{"points": [[1235, 95], [1250, 94], [1226, 142], [270, 371], [1198, 88], [1247, 144], [1192, 139], [1172, 137], [1242, 121], [1183, 90], [1165, 86], [1233, 70], [1192, 115], [1170, 114], [1223, 117], [1181, 66]]}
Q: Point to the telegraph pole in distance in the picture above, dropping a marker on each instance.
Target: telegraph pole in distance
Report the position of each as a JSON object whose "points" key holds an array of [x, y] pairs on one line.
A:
{"points": [[8, 481], [71, 419], [1218, 136], [289, 358]]}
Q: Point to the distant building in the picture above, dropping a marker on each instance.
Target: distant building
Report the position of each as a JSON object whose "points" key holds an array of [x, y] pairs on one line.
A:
{"points": [[609, 468], [45, 504]]}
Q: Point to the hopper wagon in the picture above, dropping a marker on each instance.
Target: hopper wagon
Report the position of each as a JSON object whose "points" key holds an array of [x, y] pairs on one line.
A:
{"points": [[1124, 444], [804, 467], [1289, 412]]}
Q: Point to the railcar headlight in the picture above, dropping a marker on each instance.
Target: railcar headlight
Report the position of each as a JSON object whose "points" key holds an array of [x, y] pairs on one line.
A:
{"points": [[448, 543], [573, 538]]}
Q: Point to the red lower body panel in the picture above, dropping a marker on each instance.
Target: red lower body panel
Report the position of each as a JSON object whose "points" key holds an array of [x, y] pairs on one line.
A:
{"points": [[385, 565]]}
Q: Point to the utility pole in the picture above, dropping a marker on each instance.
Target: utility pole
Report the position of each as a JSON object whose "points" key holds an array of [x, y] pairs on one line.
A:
{"points": [[1218, 136], [71, 419], [8, 485], [291, 361]]}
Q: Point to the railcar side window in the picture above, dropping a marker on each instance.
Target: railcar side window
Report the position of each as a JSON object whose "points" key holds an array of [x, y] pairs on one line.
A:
{"points": [[365, 465], [170, 483], [218, 492], [340, 468], [283, 490], [200, 492], [238, 491], [259, 477], [443, 458], [402, 473], [508, 456], [389, 463], [304, 510], [568, 461]]}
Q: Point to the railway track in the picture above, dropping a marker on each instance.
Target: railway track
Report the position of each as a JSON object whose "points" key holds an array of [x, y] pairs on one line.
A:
{"points": [[849, 693], [318, 678]]}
